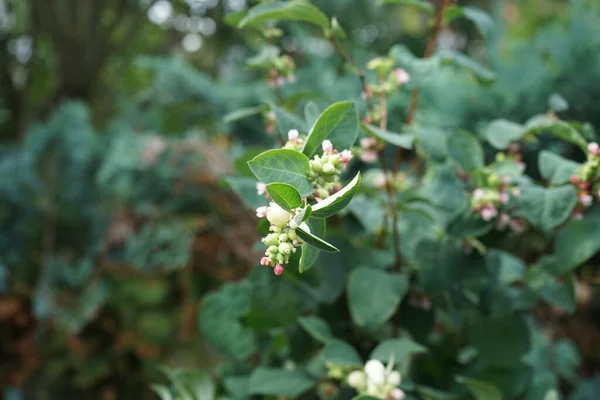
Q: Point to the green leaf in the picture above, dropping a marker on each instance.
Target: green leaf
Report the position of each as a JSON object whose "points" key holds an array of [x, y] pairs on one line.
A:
{"points": [[374, 295], [162, 391], [279, 382], [547, 208], [577, 241], [482, 20], [242, 114], [245, 188], [198, 384], [561, 295], [508, 268], [481, 73], [309, 253], [560, 129], [282, 165], [342, 354], [501, 342], [303, 215], [465, 150], [241, 162], [479, 389], [287, 121], [556, 169], [398, 349], [338, 201], [219, 320], [404, 140], [422, 5], [311, 112], [303, 231], [294, 10], [446, 190], [338, 123], [317, 328], [286, 196], [441, 264], [501, 133], [557, 103]]}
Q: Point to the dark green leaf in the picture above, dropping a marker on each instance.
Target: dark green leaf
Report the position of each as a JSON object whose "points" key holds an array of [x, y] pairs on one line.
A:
{"points": [[577, 242], [403, 140], [479, 389], [557, 103], [242, 114], [286, 121], [338, 201], [279, 382], [501, 133], [294, 10], [338, 123], [286, 196], [282, 165], [422, 5], [342, 354], [481, 73], [560, 129], [309, 253], [245, 188], [396, 349], [547, 208], [555, 169], [501, 342], [374, 295], [317, 328], [305, 234], [465, 150]]}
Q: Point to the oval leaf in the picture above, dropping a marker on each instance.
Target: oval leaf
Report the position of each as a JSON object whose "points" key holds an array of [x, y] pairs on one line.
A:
{"points": [[337, 201], [403, 140], [342, 354], [309, 253], [500, 133], [304, 233], [547, 208], [286, 196], [578, 241], [279, 382], [338, 123], [480, 390], [282, 165], [286, 11], [465, 150], [396, 349], [555, 169], [317, 328]]}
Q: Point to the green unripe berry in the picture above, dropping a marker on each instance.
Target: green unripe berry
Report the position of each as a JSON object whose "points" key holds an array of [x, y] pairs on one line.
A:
{"points": [[316, 166], [323, 193], [285, 248], [280, 258], [292, 234], [282, 238], [270, 239], [328, 169], [493, 180], [273, 249]]}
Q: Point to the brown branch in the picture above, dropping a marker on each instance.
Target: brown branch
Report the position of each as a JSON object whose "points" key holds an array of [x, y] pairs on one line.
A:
{"points": [[414, 98]]}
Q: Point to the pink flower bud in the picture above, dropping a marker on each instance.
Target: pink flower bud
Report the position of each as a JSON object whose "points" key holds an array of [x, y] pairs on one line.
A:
{"points": [[337, 188], [574, 180], [397, 394], [278, 270], [369, 156], [488, 213], [577, 214], [368, 142], [402, 76], [265, 261], [478, 194], [261, 188], [293, 135], [586, 200], [327, 147], [584, 185], [503, 197], [593, 148], [345, 156], [261, 212]]}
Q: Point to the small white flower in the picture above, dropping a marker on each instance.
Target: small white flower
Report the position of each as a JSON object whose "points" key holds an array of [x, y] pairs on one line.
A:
{"points": [[488, 213], [293, 135], [593, 148], [402, 76], [261, 188], [327, 147], [397, 394], [345, 156], [261, 212], [375, 371], [586, 200], [503, 197], [369, 157], [368, 142]]}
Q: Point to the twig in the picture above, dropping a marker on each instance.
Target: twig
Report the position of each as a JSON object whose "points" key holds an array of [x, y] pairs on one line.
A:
{"points": [[414, 98]]}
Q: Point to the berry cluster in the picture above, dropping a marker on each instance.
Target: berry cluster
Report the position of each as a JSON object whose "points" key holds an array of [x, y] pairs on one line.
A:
{"points": [[324, 172], [282, 241], [586, 180], [486, 201], [377, 380]]}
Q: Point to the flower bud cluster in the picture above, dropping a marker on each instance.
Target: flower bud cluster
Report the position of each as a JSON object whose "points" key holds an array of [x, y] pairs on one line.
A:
{"points": [[282, 70], [586, 180], [390, 78], [282, 241], [376, 178], [486, 201], [370, 147], [514, 154], [295, 141], [269, 121], [324, 171], [376, 380]]}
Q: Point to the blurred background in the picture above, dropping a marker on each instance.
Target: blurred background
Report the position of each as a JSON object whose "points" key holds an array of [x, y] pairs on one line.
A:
{"points": [[114, 221]]}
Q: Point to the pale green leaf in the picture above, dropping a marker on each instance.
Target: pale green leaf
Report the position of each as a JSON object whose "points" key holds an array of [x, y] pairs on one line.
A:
{"points": [[403, 140], [501, 133], [338, 124], [279, 382], [282, 165], [396, 349], [338, 201], [465, 150], [342, 354], [547, 208], [309, 253], [481, 73], [577, 241], [311, 112], [317, 328], [295, 10], [286, 196], [305, 234], [556, 169]]}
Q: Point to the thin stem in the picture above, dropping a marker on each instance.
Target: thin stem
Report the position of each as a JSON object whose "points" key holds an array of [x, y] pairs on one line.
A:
{"points": [[414, 98], [356, 68]]}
